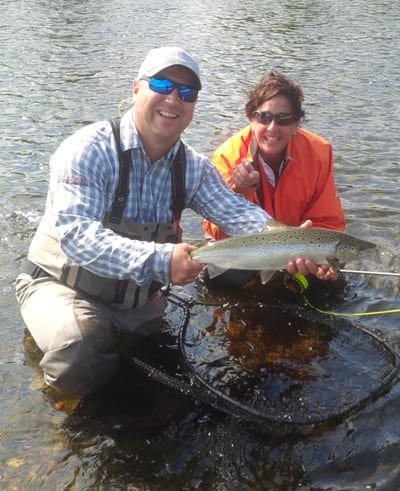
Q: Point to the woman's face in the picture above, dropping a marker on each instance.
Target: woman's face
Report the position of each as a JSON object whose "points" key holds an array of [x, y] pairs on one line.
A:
{"points": [[272, 139]]}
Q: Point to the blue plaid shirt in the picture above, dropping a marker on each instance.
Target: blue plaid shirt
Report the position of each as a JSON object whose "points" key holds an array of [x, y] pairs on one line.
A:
{"points": [[83, 183]]}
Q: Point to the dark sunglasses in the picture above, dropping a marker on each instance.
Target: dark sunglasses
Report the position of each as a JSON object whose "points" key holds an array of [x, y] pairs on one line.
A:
{"points": [[166, 86], [282, 119]]}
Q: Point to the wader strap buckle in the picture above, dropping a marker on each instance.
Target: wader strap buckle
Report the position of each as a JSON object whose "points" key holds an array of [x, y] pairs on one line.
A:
{"points": [[33, 270]]}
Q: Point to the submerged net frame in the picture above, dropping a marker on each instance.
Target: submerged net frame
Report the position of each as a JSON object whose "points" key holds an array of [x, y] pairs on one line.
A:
{"points": [[197, 384]]}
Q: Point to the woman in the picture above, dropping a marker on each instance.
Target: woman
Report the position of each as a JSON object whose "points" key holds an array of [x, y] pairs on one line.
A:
{"points": [[273, 162], [287, 170]]}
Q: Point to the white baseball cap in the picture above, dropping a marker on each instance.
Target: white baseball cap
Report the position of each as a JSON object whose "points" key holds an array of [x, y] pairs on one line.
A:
{"points": [[159, 58]]}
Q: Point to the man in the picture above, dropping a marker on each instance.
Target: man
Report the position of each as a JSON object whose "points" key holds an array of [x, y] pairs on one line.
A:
{"points": [[109, 237]]}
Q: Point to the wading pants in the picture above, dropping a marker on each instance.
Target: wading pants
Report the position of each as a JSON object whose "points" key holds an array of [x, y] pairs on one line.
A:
{"points": [[76, 333]]}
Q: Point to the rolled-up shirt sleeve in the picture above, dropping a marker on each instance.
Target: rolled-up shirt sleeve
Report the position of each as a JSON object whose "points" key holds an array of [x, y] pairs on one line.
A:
{"points": [[215, 201]]}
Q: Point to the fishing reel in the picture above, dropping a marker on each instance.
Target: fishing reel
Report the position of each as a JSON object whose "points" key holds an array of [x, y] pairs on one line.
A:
{"points": [[297, 283]]}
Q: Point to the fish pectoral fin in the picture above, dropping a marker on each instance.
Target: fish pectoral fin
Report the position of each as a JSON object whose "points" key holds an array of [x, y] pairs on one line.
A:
{"points": [[333, 262], [266, 276], [214, 271]]}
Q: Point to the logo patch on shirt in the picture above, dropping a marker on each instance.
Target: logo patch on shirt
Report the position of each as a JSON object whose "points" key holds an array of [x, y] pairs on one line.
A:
{"points": [[71, 179]]}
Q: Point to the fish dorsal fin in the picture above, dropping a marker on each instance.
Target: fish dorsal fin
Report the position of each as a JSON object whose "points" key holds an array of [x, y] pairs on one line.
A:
{"points": [[273, 224]]}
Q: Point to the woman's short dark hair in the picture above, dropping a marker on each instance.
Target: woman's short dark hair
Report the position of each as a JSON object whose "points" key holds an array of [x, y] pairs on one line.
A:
{"points": [[271, 85]]}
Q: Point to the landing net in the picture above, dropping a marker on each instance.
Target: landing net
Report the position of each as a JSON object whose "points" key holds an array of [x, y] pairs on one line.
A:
{"points": [[275, 363]]}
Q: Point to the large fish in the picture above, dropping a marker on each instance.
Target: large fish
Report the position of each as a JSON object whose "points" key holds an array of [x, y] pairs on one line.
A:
{"points": [[273, 248]]}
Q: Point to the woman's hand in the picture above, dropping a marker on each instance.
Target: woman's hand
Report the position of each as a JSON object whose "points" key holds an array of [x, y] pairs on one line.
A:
{"points": [[306, 266], [245, 176]]}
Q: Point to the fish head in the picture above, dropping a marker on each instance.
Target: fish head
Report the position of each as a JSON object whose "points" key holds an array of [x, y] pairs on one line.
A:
{"points": [[349, 247]]}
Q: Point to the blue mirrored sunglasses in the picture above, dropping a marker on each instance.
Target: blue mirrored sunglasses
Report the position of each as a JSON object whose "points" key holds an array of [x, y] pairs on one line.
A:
{"points": [[166, 86], [282, 119]]}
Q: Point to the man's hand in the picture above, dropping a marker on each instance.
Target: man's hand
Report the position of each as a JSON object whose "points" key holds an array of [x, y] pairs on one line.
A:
{"points": [[245, 176], [183, 268], [306, 266]]}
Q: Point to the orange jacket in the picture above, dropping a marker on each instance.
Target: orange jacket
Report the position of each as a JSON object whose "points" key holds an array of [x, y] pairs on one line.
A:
{"points": [[305, 190]]}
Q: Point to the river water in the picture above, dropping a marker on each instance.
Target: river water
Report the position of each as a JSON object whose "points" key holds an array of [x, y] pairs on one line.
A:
{"points": [[67, 63]]}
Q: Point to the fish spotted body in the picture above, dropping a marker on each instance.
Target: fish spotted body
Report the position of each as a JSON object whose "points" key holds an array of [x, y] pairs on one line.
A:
{"points": [[274, 248]]}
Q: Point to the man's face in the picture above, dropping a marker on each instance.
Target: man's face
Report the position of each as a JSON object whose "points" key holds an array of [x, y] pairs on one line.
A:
{"points": [[161, 118]]}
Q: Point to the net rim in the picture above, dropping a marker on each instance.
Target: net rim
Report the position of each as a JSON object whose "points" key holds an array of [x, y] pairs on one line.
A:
{"points": [[233, 407]]}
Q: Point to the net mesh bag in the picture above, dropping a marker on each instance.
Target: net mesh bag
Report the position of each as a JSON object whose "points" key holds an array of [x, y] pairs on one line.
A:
{"points": [[274, 363]]}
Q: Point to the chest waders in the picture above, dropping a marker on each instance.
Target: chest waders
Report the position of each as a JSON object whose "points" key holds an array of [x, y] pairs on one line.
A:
{"points": [[124, 293]]}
